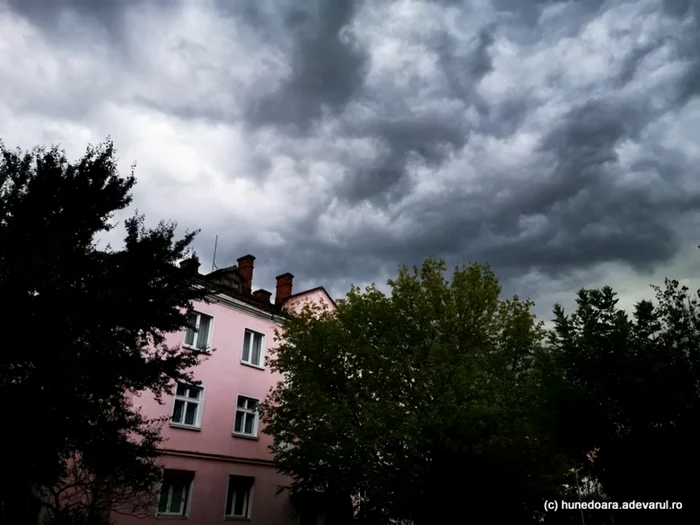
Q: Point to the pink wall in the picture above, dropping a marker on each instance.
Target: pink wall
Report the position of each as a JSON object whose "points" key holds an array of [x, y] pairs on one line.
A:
{"points": [[317, 296], [209, 493], [223, 377]]}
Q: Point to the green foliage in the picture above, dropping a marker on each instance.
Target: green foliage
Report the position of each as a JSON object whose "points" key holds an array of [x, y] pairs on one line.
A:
{"points": [[423, 403], [630, 386], [84, 327]]}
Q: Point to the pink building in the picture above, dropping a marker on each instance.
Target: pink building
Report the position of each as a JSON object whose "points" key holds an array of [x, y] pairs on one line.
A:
{"points": [[218, 465]]}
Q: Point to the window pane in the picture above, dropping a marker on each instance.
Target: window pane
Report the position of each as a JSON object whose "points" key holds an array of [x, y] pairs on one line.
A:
{"points": [[257, 347], [239, 502], [246, 346], [189, 335], [191, 413], [194, 392], [229, 496], [203, 333], [163, 501], [239, 422], [249, 418], [238, 496], [177, 412], [181, 389], [177, 500], [242, 401]]}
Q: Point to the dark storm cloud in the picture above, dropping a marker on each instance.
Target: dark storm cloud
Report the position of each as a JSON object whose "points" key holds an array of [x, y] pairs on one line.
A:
{"points": [[589, 218], [431, 137], [50, 15], [463, 71], [327, 67], [584, 215], [528, 134], [680, 8]]}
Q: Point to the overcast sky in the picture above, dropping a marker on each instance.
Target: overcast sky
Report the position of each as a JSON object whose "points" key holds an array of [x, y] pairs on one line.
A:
{"points": [[558, 141]]}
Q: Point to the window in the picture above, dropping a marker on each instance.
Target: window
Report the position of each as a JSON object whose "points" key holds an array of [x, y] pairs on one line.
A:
{"points": [[253, 348], [199, 331], [175, 493], [238, 497], [187, 409], [246, 423], [311, 518]]}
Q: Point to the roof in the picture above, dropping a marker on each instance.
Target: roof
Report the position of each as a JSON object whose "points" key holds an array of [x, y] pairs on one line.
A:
{"points": [[232, 292], [250, 298], [228, 269]]}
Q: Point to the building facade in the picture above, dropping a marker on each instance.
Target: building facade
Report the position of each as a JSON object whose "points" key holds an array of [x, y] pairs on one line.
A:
{"points": [[218, 464]]}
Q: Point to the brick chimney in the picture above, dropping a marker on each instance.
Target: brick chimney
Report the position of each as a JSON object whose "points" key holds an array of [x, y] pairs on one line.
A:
{"points": [[284, 288], [245, 267], [191, 265], [262, 295]]}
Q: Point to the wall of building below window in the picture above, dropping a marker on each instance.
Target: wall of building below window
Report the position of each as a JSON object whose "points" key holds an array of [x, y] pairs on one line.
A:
{"points": [[208, 497]]}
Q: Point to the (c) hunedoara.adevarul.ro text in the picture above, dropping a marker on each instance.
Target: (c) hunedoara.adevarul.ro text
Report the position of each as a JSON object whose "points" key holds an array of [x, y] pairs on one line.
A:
{"points": [[555, 505]]}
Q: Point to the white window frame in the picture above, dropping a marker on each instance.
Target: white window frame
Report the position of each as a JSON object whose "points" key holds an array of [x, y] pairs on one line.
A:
{"points": [[249, 361], [249, 495], [256, 421], [210, 335], [187, 501], [185, 399]]}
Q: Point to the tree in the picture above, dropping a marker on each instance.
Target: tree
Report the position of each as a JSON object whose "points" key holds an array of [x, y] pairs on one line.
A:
{"points": [[630, 387], [422, 405], [84, 327], [83, 499]]}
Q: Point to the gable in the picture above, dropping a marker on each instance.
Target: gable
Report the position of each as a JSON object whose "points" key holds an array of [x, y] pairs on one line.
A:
{"points": [[317, 296]]}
